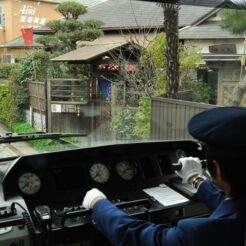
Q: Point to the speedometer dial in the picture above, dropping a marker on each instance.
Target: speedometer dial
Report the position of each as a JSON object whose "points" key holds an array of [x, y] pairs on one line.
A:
{"points": [[29, 183], [99, 173], [126, 170]]}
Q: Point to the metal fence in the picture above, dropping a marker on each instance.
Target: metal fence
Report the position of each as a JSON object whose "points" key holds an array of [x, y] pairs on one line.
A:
{"points": [[170, 117]]}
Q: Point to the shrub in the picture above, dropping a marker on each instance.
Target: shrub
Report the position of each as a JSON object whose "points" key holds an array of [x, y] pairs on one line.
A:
{"points": [[7, 107], [142, 118], [123, 124], [5, 70]]}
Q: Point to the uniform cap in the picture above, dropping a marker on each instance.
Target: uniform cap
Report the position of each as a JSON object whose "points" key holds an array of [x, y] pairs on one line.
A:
{"points": [[223, 127]]}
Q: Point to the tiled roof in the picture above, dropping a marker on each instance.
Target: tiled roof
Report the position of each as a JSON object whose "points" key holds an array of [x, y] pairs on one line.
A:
{"points": [[119, 14], [142, 40], [208, 30]]}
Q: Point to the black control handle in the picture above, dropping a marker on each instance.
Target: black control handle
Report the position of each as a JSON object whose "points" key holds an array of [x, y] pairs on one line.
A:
{"points": [[42, 212]]}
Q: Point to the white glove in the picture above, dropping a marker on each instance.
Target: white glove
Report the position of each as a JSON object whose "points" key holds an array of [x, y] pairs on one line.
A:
{"points": [[190, 166], [92, 195]]}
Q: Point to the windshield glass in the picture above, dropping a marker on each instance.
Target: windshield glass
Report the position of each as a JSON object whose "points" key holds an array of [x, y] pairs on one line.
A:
{"points": [[116, 71]]}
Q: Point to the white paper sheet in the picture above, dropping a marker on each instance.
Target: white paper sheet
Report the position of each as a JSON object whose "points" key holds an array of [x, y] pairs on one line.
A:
{"points": [[166, 195]]}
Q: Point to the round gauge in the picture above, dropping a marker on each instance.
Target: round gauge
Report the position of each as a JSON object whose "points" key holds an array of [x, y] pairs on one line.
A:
{"points": [[180, 153], [29, 183], [99, 173], [126, 170]]}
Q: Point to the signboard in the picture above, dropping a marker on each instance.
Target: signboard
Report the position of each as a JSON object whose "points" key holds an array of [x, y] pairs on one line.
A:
{"points": [[28, 15], [64, 108], [56, 108], [223, 49], [27, 34]]}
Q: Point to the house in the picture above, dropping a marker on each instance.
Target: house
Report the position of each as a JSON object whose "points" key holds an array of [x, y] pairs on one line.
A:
{"points": [[21, 14], [124, 23], [130, 21], [199, 27], [221, 50], [15, 15]]}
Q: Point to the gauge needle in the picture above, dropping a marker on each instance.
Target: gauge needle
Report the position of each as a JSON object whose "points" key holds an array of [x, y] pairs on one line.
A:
{"points": [[97, 174]]}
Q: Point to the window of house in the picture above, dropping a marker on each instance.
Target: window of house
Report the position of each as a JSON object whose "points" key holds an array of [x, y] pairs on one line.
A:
{"points": [[1, 16], [7, 58]]}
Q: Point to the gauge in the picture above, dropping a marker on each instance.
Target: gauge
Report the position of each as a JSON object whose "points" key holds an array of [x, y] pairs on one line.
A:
{"points": [[29, 183], [126, 170], [180, 153], [99, 173]]}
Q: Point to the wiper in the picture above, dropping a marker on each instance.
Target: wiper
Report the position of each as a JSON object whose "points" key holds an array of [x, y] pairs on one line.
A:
{"points": [[10, 137]]}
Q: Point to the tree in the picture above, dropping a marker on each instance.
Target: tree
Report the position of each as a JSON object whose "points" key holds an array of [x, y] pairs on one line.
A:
{"points": [[69, 30], [171, 12], [188, 60], [66, 33], [147, 78], [234, 20], [145, 72]]}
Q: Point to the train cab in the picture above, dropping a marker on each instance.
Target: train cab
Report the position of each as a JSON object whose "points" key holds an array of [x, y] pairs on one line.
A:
{"points": [[42, 194], [119, 129]]}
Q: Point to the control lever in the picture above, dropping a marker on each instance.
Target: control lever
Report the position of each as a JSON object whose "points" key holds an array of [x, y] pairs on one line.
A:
{"points": [[42, 212], [7, 211], [143, 201], [87, 212], [178, 166]]}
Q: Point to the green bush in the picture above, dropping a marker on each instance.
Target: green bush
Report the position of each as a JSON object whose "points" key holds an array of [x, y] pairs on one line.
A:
{"points": [[5, 70], [201, 92], [21, 127], [143, 118], [133, 123], [123, 124], [7, 107]]}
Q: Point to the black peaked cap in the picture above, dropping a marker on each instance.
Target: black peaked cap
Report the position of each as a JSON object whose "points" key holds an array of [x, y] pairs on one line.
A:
{"points": [[224, 127]]}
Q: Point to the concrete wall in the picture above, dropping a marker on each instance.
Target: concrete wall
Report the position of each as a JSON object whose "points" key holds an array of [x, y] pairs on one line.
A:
{"points": [[36, 120]]}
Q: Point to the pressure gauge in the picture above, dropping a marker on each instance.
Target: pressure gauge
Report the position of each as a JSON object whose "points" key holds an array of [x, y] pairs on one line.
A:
{"points": [[99, 173], [126, 170], [29, 183]]}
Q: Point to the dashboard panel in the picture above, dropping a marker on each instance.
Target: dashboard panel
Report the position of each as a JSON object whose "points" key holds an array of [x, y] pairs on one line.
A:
{"points": [[59, 180]]}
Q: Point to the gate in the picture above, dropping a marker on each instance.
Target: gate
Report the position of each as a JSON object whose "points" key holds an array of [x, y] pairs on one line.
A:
{"points": [[70, 105]]}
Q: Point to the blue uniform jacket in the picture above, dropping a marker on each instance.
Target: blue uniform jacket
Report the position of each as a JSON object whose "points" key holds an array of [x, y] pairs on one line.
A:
{"points": [[224, 227]]}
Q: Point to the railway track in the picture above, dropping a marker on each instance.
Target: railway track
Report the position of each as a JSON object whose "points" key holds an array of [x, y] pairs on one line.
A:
{"points": [[14, 149]]}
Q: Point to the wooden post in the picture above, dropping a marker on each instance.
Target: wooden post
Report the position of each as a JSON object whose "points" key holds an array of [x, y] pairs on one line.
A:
{"points": [[31, 115], [49, 105], [113, 99]]}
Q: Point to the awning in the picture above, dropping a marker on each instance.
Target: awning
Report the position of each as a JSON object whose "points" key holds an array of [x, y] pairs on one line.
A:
{"points": [[88, 53], [221, 57]]}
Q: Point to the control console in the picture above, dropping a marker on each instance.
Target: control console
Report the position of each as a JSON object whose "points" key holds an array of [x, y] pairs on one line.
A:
{"points": [[44, 192]]}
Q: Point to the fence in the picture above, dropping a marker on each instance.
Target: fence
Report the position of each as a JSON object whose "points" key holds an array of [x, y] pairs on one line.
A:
{"points": [[170, 117], [36, 115], [67, 105]]}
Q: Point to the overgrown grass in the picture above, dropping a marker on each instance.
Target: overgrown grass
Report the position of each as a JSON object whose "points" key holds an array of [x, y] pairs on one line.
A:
{"points": [[40, 145]]}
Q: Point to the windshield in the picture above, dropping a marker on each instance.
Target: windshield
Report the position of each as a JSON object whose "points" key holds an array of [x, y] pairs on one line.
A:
{"points": [[115, 71]]}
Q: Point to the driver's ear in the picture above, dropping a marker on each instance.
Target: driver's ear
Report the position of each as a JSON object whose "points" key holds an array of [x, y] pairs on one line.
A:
{"points": [[217, 176]]}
